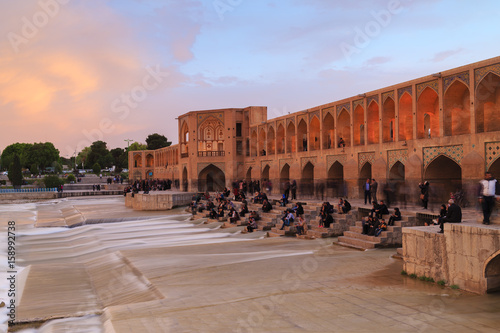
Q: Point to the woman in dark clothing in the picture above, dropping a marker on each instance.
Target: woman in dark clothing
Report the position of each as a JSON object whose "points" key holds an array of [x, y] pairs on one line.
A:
{"points": [[395, 217]]}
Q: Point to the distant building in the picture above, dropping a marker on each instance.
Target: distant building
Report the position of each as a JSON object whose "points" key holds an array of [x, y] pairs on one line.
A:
{"points": [[443, 128]]}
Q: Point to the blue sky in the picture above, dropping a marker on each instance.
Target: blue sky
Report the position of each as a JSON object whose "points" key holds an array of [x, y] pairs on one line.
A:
{"points": [[59, 84]]}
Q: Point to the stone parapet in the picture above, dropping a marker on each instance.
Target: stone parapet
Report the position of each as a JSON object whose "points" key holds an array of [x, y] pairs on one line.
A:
{"points": [[158, 201]]}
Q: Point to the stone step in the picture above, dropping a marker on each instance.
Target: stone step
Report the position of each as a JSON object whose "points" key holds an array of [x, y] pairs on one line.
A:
{"points": [[272, 234], [380, 239], [357, 243]]}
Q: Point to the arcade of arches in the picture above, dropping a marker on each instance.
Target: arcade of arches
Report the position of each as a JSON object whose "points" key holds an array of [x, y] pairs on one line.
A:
{"points": [[444, 129]]}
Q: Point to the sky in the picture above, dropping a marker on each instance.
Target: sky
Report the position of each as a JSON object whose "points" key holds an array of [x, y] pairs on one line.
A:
{"points": [[76, 71]]}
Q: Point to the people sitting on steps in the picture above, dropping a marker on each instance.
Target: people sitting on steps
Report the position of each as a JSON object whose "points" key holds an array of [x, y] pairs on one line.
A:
{"points": [[301, 226], [298, 209], [326, 220], [266, 206], [381, 227], [252, 225], [288, 220]]}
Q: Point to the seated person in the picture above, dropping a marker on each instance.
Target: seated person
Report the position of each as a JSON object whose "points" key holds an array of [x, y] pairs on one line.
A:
{"points": [[374, 208], [382, 227], [288, 220], [244, 208], [220, 211], [233, 216], [373, 227], [252, 225], [207, 195], [301, 225], [298, 209], [453, 215], [327, 219], [210, 204], [213, 213], [255, 215], [201, 207], [381, 209], [347, 206], [264, 196], [395, 217], [266, 206], [368, 223], [257, 198]]}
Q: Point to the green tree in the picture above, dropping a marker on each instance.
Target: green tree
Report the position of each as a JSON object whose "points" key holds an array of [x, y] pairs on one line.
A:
{"points": [[99, 153], [34, 169], [82, 157], [156, 141], [71, 178], [57, 167], [42, 154], [16, 172], [52, 181], [137, 146], [120, 159], [96, 168], [19, 149]]}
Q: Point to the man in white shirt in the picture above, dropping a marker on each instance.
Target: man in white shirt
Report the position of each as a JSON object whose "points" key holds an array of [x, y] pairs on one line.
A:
{"points": [[487, 192]]}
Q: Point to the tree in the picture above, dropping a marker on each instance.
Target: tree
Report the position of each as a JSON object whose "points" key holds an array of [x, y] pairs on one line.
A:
{"points": [[137, 146], [34, 169], [99, 153], [19, 149], [42, 154], [16, 172], [82, 157], [96, 168], [120, 159], [52, 181], [156, 141]]}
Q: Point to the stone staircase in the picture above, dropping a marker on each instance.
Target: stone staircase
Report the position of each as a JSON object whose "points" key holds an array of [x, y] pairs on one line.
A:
{"points": [[341, 223], [392, 237]]}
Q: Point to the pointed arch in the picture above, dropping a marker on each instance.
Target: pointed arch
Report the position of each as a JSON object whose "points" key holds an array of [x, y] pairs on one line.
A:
{"points": [[344, 127], [358, 126], [253, 143], [488, 104], [364, 174], [271, 141], [211, 178], [328, 132], [405, 116], [428, 109], [389, 120], [185, 179], [397, 171], [373, 121], [248, 176], [265, 173], [285, 173], [150, 161], [291, 139], [137, 161], [314, 134], [262, 142], [492, 273], [335, 180], [444, 176], [307, 180], [302, 136], [280, 140], [457, 109]]}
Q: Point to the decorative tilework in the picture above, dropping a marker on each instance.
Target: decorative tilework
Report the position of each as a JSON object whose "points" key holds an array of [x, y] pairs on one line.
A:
{"points": [[372, 98], [217, 115], [312, 114], [464, 77], [331, 159], [330, 110], [305, 160], [365, 157], [290, 120], [456, 153], [284, 161], [492, 152], [387, 95], [431, 84], [201, 166], [300, 118], [480, 73], [408, 90], [394, 156], [358, 102], [346, 106]]}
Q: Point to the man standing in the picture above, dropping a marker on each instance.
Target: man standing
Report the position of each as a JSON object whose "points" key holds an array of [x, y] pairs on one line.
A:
{"points": [[453, 215], [373, 189], [368, 196], [487, 192], [287, 189], [293, 187]]}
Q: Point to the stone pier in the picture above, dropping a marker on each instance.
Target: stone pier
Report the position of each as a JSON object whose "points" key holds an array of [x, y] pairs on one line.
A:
{"points": [[466, 255], [158, 200]]}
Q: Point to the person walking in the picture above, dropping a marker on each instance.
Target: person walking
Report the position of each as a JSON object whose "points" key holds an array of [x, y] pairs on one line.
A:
{"points": [[487, 192]]}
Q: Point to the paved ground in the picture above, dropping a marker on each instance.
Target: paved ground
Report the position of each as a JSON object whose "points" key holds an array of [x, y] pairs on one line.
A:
{"points": [[166, 275]]}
